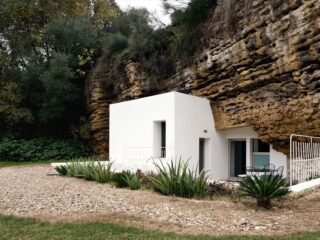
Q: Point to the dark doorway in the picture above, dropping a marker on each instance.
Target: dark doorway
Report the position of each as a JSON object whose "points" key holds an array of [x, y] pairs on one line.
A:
{"points": [[237, 157], [163, 139], [201, 154]]}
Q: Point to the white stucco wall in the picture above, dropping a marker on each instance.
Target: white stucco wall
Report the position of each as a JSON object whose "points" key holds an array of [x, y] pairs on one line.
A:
{"points": [[132, 127], [278, 159], [194, 120]]}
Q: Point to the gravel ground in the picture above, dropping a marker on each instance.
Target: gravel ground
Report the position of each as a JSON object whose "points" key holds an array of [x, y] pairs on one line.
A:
{"points": [[37, 192]]}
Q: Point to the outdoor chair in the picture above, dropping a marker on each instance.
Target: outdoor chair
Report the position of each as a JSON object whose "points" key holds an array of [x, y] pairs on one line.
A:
{"points": [[269, 169], [270, 166], [279, 171]]}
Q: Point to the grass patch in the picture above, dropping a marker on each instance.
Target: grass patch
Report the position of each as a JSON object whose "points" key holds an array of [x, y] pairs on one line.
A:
{"points": [[17, 164], [20, 228]]}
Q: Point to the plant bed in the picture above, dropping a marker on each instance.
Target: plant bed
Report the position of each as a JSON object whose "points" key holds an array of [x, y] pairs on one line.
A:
{"points": [[175, 179]]}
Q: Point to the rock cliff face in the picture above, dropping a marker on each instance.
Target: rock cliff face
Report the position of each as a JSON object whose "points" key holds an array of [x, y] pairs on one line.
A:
{"points": [[258, 64]]}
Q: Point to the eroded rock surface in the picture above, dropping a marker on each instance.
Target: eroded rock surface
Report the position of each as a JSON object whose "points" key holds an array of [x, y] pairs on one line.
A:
{"points": [[259, 65]]}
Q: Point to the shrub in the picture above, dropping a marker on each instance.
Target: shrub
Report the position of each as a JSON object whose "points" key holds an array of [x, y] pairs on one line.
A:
{"points": [[76, 169], [264, 188], [62, 170], [116, 43], [89, 169], [196, 12], [99, 172], [120, 179], [177, 179], [133, 181], [41, 149]]}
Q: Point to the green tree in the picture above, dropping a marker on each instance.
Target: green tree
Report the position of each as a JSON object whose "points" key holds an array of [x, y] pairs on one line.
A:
{"points": [[47, 50], [60, 91], [103, 12], [12, 111], [132, 35]]}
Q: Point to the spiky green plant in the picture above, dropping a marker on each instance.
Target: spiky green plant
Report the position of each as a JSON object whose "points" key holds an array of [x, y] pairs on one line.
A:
{"points": [[99, 172], [176, 178], [200, 185], [76, 169], [62, 170], [119, 179], [133, 181], [264, 188], [90, 170]]}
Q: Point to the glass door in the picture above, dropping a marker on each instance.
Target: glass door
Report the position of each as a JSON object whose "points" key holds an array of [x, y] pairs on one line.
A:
{"points": [[238, 157]]}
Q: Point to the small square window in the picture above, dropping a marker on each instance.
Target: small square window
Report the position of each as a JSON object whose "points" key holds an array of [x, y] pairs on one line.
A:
{"points": [[260, 153], [259, 146]]}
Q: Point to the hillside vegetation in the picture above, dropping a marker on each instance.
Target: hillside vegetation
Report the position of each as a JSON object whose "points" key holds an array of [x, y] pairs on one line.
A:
{"points": [[49, 49]]}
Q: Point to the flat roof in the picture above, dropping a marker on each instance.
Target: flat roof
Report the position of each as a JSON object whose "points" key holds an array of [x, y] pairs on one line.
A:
{"points": [[162, 95]]}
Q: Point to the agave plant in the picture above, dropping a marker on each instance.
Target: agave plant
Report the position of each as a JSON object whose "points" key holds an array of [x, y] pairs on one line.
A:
{"points": [[120, 179], [62, 170], [264, 188], [98, 172], [90, 170], [76, 169], [177, 179], [133, 181]]}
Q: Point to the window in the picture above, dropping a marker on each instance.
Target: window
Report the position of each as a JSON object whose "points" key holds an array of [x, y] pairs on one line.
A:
{"points": [[260, 153]]}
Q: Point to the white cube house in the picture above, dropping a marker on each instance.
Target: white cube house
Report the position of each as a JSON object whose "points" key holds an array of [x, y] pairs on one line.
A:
{"points": [[176, 125]]}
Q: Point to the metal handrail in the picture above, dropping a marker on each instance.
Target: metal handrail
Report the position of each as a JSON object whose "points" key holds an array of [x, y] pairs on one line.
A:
{"points": [[311, 138]]}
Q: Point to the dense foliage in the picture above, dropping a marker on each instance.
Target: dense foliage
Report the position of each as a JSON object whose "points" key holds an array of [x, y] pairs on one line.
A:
{"points": [[49, 48], [177, 179], [264, 188], [47, 51], [41, 149], [160, 49]]}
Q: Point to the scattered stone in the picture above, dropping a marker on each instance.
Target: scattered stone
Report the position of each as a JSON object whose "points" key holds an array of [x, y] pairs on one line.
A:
{"points": [[30, 192]]}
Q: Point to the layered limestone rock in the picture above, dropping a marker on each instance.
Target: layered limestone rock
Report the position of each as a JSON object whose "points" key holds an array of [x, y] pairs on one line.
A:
{"points": [[259, 65], [103, 92]]}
